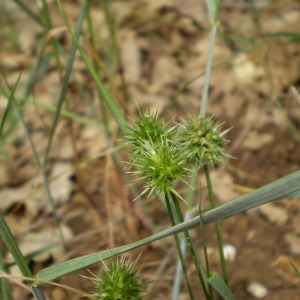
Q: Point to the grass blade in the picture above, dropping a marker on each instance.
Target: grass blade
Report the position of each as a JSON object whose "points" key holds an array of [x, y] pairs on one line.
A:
{"points": [[4, 283], [51, 108], [18, 256], [295, 268], [213, 11], [32, 14], [217, 282], [68, 72], [113, 107], [9, 103], [285, 187], [208, 68]]}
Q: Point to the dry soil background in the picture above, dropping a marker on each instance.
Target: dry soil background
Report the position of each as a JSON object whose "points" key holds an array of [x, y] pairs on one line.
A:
{"points": [[163, 45]]}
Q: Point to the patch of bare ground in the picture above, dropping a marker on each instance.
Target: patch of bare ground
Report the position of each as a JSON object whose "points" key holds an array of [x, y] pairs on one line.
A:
{"points": [[163, 45]]}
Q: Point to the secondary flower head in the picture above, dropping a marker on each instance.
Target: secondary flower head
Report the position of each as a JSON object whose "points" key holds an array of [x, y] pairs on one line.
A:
{"points": [[118, 281], [202, 140]]}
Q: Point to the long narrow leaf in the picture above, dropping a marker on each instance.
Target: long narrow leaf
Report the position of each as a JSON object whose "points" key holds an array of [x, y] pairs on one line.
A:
{"points": [[66, 78], [285, 187], [4, 283], [10, 101], [13, 248], [112, 106], [52, 108], [295, 268], [218, 283], [31, 14]]}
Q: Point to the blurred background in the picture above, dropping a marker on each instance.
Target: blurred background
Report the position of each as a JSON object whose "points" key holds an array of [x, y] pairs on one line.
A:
{"points": [[149, 53]]}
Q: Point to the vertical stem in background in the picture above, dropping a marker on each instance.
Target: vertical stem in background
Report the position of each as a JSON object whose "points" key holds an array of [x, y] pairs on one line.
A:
{"points": [[31, 13], [174, 221], [5, 232], [217, 225], [67, 75], [91, 39], [113, 107], [57, 113], [48, 23], [213, 10], [116, 51], [187, 216], [195, 258], [212, 39], [4, 283], [205, 250]]}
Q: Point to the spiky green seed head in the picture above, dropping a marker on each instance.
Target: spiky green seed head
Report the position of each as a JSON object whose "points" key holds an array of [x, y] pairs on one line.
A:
{"points": [[147, 127], [202, 140], [118, 281], [155, 158], [159, 166]]}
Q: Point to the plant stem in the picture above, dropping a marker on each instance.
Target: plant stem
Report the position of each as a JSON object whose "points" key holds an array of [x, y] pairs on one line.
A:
{"points": [[113, 107], [116, 51], [195, 258], [217, 225], [213, 33], [285, 187], [210, 291], [179, 250]]}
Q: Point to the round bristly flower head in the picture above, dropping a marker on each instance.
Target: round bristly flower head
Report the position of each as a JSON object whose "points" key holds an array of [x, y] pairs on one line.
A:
{"points": [[148, 127], [118, 281], [159, 165], [202, 140], [155, 158]]}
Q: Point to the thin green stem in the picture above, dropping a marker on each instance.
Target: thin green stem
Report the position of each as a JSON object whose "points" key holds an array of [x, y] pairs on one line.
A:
{"points": [[113, 107], [195, 258], [30, 13], [65, 82], [90, 26], [41, 168], [4, 283], [116, 50], [21, 118], [187, 216], [217, 225], [61, 99], [210, 291], [91, 39], [53, 207], [178, 273], [285, 187], [191, 190], [55, 45], [179, 250], [212, 39], [9, 103], [190, 198]]}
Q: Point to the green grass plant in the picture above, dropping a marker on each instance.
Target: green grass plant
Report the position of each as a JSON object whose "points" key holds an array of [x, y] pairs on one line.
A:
{"points": [[163, 153]]}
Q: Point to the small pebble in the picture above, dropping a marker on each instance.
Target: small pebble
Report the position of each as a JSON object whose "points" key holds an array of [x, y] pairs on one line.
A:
{"points": [[257, 290], [229, 252], [293, 241], [274, 214]]}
